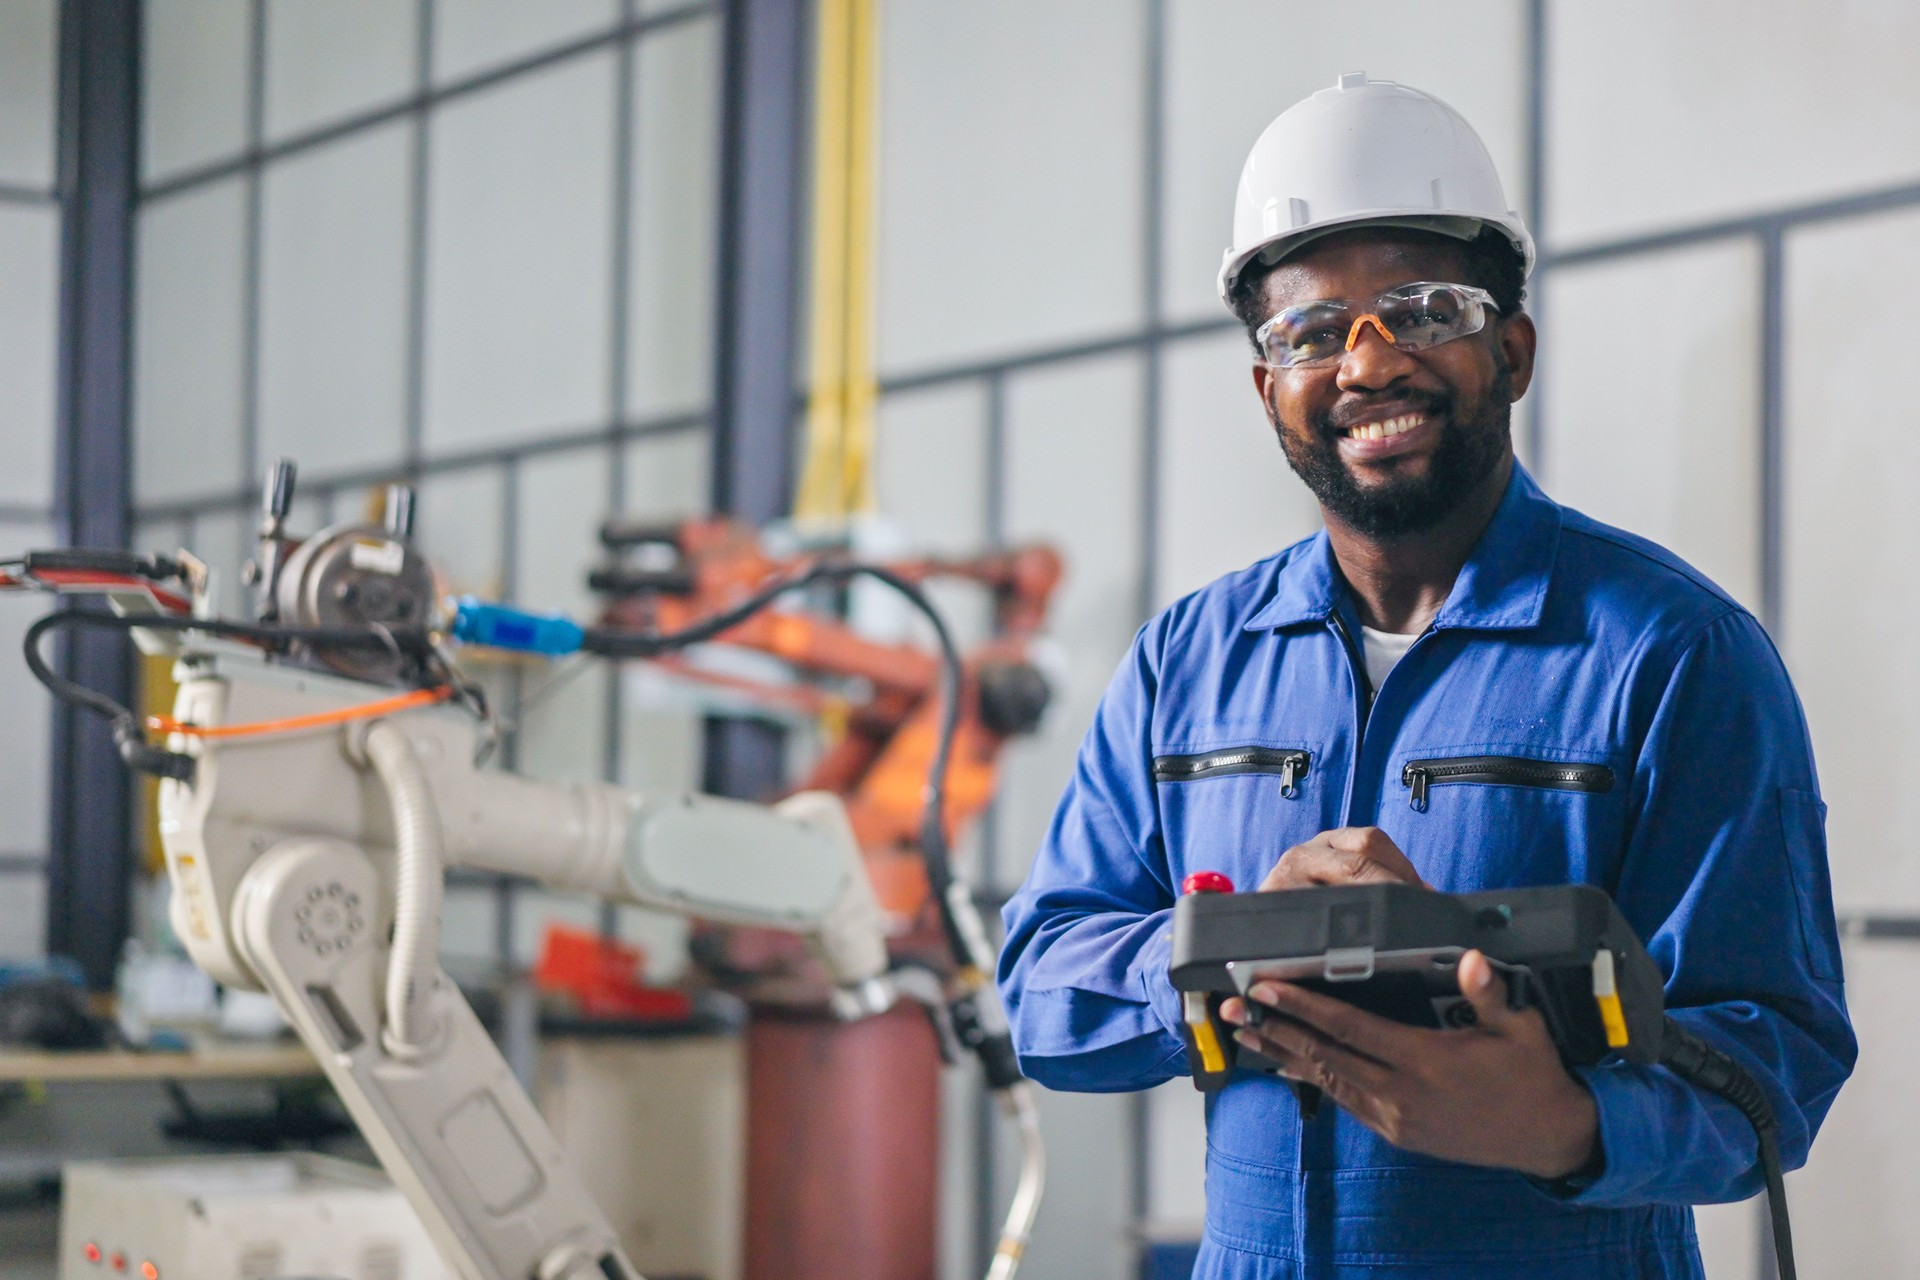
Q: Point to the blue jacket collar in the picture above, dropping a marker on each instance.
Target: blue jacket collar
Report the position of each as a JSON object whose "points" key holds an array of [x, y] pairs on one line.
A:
{"points": [[1503, 585]]}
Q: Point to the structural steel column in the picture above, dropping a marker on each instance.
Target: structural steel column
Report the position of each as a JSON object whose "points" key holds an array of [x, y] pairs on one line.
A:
{"points": [[92, 801], [763, 132]]}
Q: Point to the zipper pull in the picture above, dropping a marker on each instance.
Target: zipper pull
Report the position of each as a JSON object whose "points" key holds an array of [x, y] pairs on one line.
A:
{"points": [[1417, 779], [1290, 776]]}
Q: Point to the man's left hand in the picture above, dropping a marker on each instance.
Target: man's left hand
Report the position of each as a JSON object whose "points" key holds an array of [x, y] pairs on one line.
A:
{"points": [[1491, 1094]]}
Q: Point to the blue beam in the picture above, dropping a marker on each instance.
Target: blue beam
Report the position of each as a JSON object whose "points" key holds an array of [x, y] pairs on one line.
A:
{"points": [[764, 115], [92, 801]]}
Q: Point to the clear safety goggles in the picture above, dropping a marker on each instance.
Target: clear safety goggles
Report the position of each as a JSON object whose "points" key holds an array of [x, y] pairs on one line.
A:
{"points": [[1412, 317]]}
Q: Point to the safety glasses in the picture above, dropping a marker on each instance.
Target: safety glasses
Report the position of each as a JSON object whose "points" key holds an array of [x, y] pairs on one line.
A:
{"points": [[1412, 317]]}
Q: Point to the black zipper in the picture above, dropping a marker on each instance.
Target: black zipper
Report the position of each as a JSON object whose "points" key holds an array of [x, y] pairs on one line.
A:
{"points": [[1290, 763], [1362, 682], [1510, 771]]}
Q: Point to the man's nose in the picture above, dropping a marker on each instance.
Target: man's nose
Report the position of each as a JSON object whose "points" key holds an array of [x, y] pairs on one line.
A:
{"points": [[1372, 360]]}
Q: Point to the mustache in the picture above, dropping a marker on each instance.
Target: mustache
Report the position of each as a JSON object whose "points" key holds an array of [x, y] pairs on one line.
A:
{"points": [[1344, 414]]}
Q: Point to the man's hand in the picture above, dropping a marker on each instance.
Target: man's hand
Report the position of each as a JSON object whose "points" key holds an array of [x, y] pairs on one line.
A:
{"points": [[1491, 1094], [1348, 855]]}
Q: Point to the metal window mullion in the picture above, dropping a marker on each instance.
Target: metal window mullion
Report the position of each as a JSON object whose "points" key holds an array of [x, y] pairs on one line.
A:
{"points": [[413, 410], [1536, 212], [466, 460], [15, 514], [1785, 218], [506, 891], [619, 317], [251, 237], [1063, 353], [1772, 430], [986, 1113], [14, 193], [1153, 228]]}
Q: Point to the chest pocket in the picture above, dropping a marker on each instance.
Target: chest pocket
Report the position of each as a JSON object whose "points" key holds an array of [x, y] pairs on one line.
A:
{"points": [[1236, 809], [1288, 764], [1492, 820], [1418, 776]]}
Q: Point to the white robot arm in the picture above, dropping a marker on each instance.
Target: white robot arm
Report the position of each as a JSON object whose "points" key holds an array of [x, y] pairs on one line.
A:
{"points": [[309, 864], [308, 820]]}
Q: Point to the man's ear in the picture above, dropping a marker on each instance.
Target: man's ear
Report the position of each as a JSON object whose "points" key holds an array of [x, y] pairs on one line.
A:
{"points": [[1263, 375], [1517, 338]]}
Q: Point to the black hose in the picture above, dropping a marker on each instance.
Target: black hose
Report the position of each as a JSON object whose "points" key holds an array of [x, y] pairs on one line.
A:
{"points": [[1698, 1062], [978, 1022], [609, 642], [127, 737]]}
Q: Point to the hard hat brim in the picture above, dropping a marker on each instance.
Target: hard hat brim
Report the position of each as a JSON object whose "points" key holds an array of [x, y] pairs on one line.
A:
{"points": [[1462, 226]]}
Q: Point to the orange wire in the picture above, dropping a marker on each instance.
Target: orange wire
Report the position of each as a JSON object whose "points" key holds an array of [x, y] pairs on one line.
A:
{"points": [[293, 724]]}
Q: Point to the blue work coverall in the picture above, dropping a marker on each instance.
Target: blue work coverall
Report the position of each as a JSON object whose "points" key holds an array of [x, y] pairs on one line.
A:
{"points": [[1563, 640]]}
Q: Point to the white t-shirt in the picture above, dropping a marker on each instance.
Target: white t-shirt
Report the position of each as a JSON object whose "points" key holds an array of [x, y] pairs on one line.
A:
{"points": [[1382, 649]]}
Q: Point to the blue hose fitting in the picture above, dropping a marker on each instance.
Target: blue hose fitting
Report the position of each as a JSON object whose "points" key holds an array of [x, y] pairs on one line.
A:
{"points": [[501, 627]]}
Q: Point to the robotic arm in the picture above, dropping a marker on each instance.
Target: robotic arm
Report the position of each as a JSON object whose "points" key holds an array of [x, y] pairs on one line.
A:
{"points": [[308, 863], [308, 814]]}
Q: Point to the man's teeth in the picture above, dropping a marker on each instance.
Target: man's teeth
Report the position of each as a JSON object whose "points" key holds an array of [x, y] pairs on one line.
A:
{"points": [[1388, 429]]}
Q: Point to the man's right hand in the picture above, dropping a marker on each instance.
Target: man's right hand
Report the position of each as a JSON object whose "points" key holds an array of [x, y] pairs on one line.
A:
{"points": [[1348, 855]]}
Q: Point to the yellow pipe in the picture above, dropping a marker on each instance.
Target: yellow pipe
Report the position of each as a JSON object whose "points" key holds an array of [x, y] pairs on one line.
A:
{"points": [[857, 427], [836, 478]]}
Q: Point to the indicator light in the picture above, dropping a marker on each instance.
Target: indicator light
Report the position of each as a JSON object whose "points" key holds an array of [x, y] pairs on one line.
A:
{"points": [[118, 1262], [149, 1272], [90, 1251]]}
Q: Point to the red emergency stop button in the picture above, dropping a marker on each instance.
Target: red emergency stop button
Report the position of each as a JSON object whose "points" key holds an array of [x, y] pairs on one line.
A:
{"points": [[1206, 882]]}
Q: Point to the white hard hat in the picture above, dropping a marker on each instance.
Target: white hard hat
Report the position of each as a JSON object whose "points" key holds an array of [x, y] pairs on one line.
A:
{"points": [[1365, 151]]}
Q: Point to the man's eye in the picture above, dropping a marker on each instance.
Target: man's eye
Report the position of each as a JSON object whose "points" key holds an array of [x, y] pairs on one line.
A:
{"points": [[1314, 339]]}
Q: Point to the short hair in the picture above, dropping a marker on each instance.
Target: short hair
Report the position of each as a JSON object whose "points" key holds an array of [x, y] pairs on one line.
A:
{"points": [[1493, 263]]}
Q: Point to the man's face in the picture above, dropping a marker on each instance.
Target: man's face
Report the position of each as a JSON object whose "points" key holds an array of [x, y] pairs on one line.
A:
{"points": [[1449, 406]]}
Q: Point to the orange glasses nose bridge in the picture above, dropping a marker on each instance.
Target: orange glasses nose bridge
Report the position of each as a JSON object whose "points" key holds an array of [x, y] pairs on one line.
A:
{"points": [[1353, 334]]}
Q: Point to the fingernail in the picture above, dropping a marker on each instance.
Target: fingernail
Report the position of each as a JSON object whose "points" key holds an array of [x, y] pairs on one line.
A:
{"points": [[1265, 992], [1246, 1039]]}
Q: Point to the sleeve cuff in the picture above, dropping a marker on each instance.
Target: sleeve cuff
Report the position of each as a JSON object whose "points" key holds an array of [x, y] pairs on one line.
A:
{"points": [[1155, 959], [1624, 1155]]}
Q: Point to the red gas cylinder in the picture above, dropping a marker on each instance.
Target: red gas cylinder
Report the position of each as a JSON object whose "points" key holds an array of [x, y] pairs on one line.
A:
{"points": [[843, 1146]]}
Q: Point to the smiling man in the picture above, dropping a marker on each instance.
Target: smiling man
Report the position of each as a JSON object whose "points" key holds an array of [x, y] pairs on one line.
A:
{"points": [[1457, 683]]}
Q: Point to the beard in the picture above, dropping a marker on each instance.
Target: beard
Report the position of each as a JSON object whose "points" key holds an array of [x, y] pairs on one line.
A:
{"points": [[1469, 451]]}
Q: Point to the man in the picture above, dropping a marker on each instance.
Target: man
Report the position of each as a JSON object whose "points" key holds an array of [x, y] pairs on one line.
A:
{"points": [[1399, 678]]}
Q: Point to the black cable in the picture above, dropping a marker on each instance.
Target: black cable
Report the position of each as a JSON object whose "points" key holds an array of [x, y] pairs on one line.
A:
{"points": [[977, 1020], [616, 643], [127, 736], [1698, 1062]]}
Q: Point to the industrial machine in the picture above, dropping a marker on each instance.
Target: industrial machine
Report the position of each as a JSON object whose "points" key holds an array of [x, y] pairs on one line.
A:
{"points": [[322, 769], [886, 707], [239, 1218], [1395, 951], [832, 1103]]}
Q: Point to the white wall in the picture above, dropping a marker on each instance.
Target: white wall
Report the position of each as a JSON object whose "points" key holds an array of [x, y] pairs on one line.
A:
{"points": [[29, 321]]}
